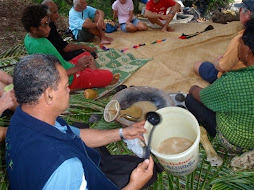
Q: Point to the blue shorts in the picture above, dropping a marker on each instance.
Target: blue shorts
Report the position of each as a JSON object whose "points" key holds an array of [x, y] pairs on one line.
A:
{"points": [[134, 21], [143, 1], [208, 72]]}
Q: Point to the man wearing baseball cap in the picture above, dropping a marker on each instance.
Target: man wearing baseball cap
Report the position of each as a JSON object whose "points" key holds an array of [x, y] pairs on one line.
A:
{"points": [[230, 60], [247, 4]]}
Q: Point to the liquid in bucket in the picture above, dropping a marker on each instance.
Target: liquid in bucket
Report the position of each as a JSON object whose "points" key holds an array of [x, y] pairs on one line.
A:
{"points": [[174, 145]]}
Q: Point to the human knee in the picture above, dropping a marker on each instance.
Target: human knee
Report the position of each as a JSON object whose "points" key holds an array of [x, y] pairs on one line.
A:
{"points": [[142, 26], [88, 21], [131, 28], [196, 67]]}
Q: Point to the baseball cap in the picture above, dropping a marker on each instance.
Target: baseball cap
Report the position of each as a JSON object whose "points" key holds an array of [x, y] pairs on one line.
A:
{"points": [[248, 4]]}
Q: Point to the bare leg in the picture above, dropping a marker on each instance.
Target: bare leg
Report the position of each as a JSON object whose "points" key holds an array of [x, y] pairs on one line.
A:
{"points": [[141, 26], [131, 27], [102, 32], [196, 67], [99, 33]]}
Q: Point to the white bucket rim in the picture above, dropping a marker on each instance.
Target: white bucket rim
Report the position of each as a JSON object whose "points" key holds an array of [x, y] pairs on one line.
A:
{"points": [[192, 147]]}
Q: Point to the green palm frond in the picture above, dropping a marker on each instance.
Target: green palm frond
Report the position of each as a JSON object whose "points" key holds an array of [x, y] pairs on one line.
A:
{"points": [[14, 52], [9, 58]]}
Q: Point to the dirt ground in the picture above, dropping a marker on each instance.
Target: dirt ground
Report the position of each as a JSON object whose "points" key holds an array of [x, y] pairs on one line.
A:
{"points": [[11, 29]]}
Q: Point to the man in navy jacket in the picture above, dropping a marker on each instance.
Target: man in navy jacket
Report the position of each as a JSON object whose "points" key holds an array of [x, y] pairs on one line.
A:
{"points": [[42, 150]]}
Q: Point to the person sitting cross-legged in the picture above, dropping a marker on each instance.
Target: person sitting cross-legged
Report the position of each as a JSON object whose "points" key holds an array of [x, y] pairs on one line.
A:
{"points": [[229, 60], [123, 9], [156, 12], [67, 50], [86, 22], [226, 107], [82, 70]]}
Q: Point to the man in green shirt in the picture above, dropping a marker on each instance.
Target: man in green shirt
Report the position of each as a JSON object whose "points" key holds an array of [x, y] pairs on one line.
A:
{"points": [[226, 107], [81, 70]]}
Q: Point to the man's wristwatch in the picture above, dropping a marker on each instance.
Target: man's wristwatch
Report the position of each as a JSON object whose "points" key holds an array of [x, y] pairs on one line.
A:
{"points": [[172, 12], [121, 133]]}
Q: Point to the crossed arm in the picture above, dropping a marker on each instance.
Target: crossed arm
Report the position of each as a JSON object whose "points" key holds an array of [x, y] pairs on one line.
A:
{"points": [[99, 21], [174, 9]]}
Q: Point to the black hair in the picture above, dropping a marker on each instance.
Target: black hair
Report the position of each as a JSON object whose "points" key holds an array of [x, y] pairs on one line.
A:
{"points": [[32, 16], [248, 35], [33, 74]]}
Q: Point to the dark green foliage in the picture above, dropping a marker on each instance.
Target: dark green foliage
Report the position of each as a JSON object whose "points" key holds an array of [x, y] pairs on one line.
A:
{"points": [[215, 4], [105, 5], [219, 3], [63, 5]]}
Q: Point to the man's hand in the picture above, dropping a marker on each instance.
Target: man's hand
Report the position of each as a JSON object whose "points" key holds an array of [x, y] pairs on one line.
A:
{"points": [[141, 175], [84, 62], [134, 131]]}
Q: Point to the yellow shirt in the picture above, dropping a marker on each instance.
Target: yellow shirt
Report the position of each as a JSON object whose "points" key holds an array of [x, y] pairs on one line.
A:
{"points": [[230, 59]]}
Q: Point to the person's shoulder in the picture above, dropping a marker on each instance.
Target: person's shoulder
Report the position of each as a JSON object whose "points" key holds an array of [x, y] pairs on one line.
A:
{"points": [[89, 8], [149, 2], [115, 3], [72, 12], [32, 41], [129, 2]]}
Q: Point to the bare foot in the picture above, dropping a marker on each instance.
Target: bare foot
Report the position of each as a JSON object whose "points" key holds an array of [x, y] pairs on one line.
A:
{"points": [[109, 38], [105, 42], [115, 79], [170, 29], [164, 29]]}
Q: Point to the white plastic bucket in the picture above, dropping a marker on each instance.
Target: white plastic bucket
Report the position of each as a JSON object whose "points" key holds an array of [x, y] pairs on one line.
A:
{"points": [[176, 122]]}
